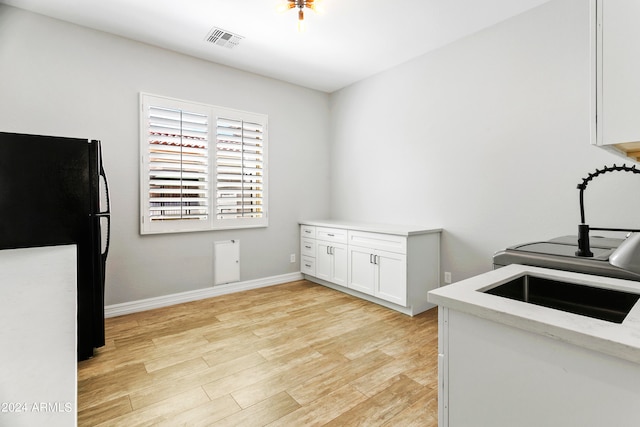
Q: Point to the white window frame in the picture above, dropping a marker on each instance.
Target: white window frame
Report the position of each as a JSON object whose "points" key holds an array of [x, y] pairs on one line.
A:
{"points": [[213, 220]]}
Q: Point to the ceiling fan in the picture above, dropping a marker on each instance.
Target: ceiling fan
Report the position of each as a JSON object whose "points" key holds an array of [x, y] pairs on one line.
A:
{"points": [[301, 5]]}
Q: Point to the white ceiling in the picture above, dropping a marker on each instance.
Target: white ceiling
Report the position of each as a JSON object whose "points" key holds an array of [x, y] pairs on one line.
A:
{"points": [[351, 40]]}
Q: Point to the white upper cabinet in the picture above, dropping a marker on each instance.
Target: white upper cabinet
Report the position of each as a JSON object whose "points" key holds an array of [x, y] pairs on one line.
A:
{"points": [[617, 100]]}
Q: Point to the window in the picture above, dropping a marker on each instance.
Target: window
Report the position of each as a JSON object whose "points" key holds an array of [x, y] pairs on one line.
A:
{"points": [[203, 167]]}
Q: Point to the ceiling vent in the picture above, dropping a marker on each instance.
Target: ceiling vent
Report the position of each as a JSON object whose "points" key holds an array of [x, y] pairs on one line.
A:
{"points": [[223, 38]]}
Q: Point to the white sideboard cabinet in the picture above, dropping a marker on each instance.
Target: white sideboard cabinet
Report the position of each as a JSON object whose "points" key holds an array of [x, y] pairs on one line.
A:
{"points": [[395, 266]]}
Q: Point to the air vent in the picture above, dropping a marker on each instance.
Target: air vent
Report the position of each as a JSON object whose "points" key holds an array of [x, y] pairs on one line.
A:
{"points": [[223, 38]]}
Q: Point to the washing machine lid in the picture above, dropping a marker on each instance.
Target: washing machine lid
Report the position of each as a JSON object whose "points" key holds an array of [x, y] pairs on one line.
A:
{"points": [[560, 254], [561, 249]]}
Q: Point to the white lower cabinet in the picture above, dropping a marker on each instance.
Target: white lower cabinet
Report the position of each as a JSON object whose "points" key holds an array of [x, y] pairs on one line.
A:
{"points": [[498, 375], [362, 271], [394, 266], [331, 262], [378, 273], [324, 253], [391, 283]]}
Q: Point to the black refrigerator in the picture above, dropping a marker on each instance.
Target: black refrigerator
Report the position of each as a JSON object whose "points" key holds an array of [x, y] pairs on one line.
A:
{"points": [[54, 191]]}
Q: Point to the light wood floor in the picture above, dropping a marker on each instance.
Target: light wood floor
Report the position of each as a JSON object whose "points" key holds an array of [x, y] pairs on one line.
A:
{"points": [[297, 354]]}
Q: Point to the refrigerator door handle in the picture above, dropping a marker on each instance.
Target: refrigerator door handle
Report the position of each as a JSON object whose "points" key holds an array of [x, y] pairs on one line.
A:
{"points": [[106, 185], [105, 214]]}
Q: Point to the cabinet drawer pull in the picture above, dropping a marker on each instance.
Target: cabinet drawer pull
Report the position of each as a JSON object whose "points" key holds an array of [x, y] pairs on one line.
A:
{"points": [[307, 246], [308, 265], [331, 235]]}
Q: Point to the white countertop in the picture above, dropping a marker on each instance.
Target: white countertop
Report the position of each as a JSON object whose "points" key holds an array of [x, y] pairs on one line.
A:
{"points": [[38, 376], [397, 229], [619, 340]]}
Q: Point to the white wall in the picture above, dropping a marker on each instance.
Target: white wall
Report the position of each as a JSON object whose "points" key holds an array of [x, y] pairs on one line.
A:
{"points": [[487, 137], [62, 79]]}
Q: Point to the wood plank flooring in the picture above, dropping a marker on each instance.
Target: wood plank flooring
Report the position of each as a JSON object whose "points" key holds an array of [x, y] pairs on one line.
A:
{"points": [[297, 354]]}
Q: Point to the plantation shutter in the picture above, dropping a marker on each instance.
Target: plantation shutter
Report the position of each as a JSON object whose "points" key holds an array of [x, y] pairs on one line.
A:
{"points": [[240, 180], [203, 167], [178, 165]]}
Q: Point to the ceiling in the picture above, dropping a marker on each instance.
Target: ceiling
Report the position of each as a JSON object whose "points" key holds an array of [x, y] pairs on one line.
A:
{"points": [[350, 40]]}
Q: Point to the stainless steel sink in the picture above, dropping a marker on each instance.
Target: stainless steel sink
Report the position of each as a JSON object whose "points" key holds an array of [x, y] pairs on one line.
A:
{"points": [[604, 304]]}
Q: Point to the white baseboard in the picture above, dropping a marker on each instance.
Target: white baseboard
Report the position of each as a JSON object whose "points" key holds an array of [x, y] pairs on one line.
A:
{"points": [[410, 310], [214, 291]]}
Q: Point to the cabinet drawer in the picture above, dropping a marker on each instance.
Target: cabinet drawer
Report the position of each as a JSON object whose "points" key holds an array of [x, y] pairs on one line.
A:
{"points": [[308, 247], [384, 242], [308, 266], [308, 231], [335, 235]]}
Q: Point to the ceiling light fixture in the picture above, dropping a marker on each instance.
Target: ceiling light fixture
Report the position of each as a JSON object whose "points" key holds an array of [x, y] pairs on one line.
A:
{"points": [[301, 4]]}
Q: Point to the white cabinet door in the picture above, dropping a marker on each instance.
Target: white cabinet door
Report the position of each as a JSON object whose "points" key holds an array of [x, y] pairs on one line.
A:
{"points": [[618, 80], [392, 277], [331, 262], [362, 270], [379, 273], [323, 261], [340, 261]]}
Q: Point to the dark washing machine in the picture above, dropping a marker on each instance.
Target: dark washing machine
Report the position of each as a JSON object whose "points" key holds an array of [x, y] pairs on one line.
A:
{"points": [[560, 254]]}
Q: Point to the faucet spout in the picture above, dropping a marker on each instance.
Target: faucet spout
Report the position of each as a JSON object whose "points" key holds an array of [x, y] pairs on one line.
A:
{"points": [[627, 255], [583, 229]]}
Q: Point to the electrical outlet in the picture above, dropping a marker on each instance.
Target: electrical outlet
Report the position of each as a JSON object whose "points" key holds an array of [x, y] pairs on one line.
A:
{"points": [[292, 258], [447, 277]]}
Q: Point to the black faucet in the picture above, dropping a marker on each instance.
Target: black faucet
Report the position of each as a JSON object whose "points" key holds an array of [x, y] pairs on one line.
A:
{"points": [[583, 228]]}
